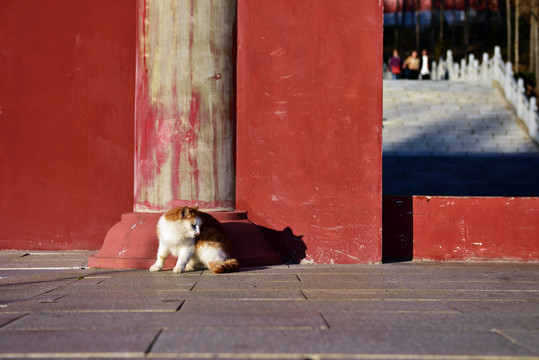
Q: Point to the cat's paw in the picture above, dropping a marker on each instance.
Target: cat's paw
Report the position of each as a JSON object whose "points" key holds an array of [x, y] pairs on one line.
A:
{"points": [[177, 270], [189, 267], [154, 268]]}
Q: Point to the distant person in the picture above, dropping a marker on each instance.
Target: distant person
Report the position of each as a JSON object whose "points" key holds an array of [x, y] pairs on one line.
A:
{"points": [[395, 65], [424, 66], [411, 66]]}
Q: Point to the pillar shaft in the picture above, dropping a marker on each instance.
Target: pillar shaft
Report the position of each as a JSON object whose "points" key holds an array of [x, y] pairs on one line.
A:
{"points": [[185, 122]]}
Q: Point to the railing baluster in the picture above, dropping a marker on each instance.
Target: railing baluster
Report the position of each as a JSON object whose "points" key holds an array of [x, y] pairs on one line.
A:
{"points": [[489, 70]]}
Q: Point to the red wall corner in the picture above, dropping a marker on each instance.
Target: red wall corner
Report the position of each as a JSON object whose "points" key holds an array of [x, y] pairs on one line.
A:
{"points": [[66, 114], [309, 133]]}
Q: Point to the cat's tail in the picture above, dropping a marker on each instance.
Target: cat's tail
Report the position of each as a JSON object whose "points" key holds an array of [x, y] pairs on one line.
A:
{"points": [[227, 266]]}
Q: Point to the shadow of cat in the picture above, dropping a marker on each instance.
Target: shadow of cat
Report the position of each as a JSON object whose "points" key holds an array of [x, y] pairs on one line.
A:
{"points": [[291, 247]]}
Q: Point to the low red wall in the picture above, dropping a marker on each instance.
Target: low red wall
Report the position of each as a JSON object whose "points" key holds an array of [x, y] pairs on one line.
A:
{"points": [[309, 123], [66, 108], [461, 228]]}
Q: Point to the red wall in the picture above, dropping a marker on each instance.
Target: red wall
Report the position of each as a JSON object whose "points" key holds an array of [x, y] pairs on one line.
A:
{"points": [[461, 228], [448, 228], [66, 115], [309, 123]]}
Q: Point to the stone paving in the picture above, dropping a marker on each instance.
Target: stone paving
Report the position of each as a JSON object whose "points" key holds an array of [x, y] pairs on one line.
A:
{"points": [[53, 306], [454, 138]]}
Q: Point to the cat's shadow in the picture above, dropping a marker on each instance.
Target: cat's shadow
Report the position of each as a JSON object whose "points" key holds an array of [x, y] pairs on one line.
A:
{"points": [[255, 245], [290, 246]]}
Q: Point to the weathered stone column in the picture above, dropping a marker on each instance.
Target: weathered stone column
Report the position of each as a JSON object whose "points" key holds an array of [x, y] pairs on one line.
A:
{"points": [[185, 113]]}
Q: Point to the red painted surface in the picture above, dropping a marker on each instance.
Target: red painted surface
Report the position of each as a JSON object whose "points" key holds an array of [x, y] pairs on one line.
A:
{"points": [[462, 228], [476, 228], [309, 118], [133, 242], [66, 112]]}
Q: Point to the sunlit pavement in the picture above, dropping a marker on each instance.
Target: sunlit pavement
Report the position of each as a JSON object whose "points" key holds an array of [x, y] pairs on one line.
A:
{"points": [[53, 306]]}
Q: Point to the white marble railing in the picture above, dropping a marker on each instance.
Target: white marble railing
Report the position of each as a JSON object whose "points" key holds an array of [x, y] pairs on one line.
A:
{"points": [[493, 69]]}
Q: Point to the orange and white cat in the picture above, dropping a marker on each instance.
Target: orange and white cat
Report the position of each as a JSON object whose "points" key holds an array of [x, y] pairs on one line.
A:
{"points": [[196, 238]]}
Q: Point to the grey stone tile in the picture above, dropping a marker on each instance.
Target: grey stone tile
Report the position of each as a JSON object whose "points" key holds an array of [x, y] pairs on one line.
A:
{"points": [[457, 275], [326, 269], [327, 282], [47, 259], [246, 285], [471, 285], [526, 339], [380, 305], [8, 256], [246, 306], [144, 280], [25, 277], [297, 320], [247, 277], [101, 302], [81, 321], [89, 342], [20, 288], [409, 294], [5, 319], [496, 307], [427, 320], [320, 342], [253, 293]]}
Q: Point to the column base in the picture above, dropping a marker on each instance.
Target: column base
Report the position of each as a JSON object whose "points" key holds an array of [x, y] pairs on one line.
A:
{"points": [[132, 243]]}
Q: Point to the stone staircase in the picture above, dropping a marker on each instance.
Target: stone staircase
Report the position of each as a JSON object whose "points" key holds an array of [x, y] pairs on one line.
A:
{"points": [[454, 138]]}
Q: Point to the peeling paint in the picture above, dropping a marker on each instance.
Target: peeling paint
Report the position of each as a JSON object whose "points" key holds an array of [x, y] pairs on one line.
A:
{"points": [[184, 104]]}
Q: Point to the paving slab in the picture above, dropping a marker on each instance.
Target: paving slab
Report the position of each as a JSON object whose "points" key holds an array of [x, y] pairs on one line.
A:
{"points": [[99, 303], [60, 343], [316, 343], [7, 257], [20, 288], [432, 320], [425, 295], [523, 338], [77, 321]]}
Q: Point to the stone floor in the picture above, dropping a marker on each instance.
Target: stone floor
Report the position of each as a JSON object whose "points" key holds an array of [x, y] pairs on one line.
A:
{"points": [[53, 306]]}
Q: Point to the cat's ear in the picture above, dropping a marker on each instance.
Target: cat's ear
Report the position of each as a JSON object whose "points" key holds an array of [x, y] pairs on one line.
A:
{"points": [[185, 212], [195, 207]]}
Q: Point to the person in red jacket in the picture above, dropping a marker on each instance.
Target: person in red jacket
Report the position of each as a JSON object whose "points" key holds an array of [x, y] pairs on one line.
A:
{"points": [[395, 65]]}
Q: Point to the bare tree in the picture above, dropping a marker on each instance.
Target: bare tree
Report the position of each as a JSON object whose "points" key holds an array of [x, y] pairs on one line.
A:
{"points": [[417, 24], [536, 50], [534, 19], [442, 15], [487, 21], [508, 18], [454, 24], [517, 49], [432, 29], [533, 39], [397, 27], [466, 34], [402, 24]]}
